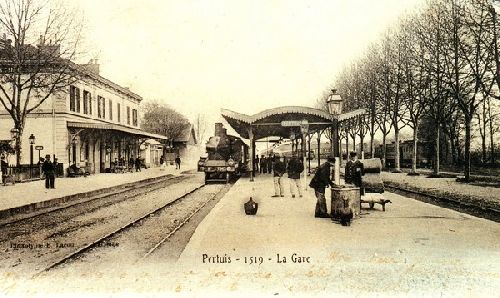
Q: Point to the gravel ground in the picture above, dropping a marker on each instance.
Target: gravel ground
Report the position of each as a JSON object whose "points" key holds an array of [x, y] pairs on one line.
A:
{"points": [[481, 195], [38, 245], [99, 267]]}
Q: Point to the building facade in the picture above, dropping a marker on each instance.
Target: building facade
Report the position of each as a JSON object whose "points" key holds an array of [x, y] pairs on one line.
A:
{"points": [[94, 123]]}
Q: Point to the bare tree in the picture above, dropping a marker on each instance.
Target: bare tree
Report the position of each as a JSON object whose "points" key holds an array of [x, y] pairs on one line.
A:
{"points": [[393, 53], [371, 94], [417, 83], [468, 62], [161, 119], [30, 73], [494, 127]]}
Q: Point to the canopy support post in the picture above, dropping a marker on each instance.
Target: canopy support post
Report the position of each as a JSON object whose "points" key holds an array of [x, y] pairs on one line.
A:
{"points": [[252, 152]]}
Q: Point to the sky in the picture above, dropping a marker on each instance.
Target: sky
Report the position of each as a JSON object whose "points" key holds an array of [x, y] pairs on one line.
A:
{"points": [[246, 56]]}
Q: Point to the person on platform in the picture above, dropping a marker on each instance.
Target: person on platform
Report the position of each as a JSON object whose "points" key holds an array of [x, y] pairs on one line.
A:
{"points": [[270, 163], [4, 166], [263, 164], [49, 171], [162, 163], [295, 168], [320, 181], [178, 162], [131, 164], [138, 164], [256, 164], [278, 172], [354, 170]]}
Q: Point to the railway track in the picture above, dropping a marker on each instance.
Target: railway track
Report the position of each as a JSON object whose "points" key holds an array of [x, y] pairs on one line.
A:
{"points": [[130, 189], [447, 202], [137, 222]]}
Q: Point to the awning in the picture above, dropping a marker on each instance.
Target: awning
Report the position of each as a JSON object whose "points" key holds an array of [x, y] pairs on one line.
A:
{"points": [[273, 122], [105, 126]]}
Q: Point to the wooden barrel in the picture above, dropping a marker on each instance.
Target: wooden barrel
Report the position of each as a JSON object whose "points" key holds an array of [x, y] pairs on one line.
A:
{"points": [[351, 194], [372, 165]]}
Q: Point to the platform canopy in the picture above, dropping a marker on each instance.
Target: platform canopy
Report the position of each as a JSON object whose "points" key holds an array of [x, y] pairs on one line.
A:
{"points": [[282, 121]]}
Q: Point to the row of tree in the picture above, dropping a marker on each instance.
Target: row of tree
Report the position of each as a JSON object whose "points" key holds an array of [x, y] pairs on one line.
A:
{"points": [[440, 64]]}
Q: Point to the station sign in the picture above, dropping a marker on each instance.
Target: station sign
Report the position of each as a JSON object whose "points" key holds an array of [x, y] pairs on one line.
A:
{"points": [[38, 147], [290, 123]]}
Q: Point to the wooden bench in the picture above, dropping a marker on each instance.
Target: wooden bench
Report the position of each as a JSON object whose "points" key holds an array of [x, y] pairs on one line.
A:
{"points": [[77, 172], [373, 199]]}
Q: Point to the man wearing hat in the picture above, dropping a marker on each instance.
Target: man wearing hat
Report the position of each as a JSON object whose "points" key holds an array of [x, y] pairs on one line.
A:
{"points": [[319, 182], [295, 168], [278, 170], [49, 170], [4, 167], [353, 171]]}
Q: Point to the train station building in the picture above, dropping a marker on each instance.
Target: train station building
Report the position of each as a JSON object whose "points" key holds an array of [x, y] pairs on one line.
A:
{"points": [[93, 123]]}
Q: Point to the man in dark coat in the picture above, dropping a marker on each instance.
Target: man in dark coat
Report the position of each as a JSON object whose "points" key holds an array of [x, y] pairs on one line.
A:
{"points": [[279, 171], [4, 167], [263, 164], [138, 164], [320, 181], [49, 170], [295, 168], [178, 162], [256, 164], [354, 170]]}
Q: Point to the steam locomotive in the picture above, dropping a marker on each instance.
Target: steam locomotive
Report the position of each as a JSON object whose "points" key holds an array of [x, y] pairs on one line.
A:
{"points": [[227, 156]]}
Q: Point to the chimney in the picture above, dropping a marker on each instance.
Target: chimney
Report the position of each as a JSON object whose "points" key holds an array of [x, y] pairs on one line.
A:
{"points": [[92, 66]]}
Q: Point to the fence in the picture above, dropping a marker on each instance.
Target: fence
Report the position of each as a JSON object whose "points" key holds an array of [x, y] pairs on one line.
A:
{"points": [[24, 173]]}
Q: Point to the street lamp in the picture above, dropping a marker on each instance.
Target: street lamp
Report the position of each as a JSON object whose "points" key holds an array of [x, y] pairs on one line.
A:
{"points": [[334, 103], [32, 141]]}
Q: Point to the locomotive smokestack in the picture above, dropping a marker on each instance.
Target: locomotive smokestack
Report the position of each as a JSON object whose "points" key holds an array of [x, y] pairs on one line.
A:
{"points": [[219, 130]]}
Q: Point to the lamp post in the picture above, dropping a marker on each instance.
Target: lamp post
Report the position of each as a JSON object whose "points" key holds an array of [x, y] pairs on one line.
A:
{"points": [[32, 141], [334, 103]]}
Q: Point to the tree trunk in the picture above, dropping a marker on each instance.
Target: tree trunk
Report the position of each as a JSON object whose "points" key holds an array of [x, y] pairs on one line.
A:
{"points": [[414, 155], [397, 161], [454, 150], [484, 158], [384, 149], [436, 152], [362, 149], [468, 121], [18, 144], [372, 149], [492, 144]]}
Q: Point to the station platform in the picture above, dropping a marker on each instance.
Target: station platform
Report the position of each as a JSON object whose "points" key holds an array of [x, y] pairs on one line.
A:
{"points": [[15, 198], [411, 249]]}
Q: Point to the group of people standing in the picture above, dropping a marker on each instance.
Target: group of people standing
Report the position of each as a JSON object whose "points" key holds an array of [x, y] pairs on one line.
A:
{"points": [[163, 162], [264, 164], [278, 166]]}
